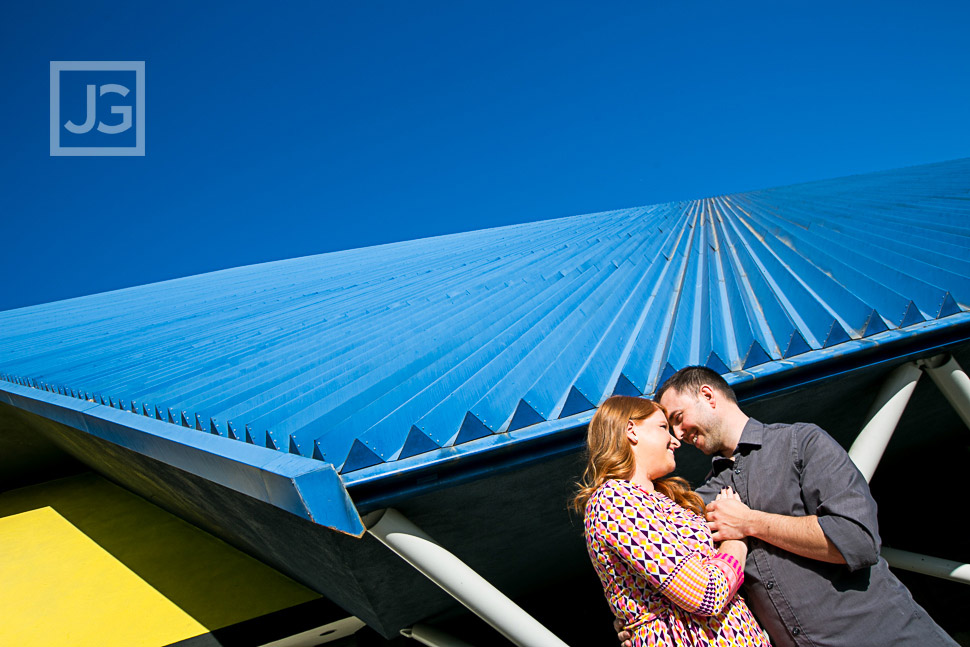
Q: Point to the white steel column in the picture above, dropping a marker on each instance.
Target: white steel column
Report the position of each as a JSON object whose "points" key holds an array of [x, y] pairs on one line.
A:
{"points": [[942, 568], [443, 568], [884, 415], [953, 383], [432, 637]]}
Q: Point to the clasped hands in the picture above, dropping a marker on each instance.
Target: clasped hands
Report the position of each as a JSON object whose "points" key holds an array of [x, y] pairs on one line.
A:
{"points": [[728, 517]]}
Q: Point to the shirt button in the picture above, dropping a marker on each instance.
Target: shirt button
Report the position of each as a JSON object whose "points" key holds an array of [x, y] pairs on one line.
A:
{"points": [[737, 470], [795, 631], [770, 585]]}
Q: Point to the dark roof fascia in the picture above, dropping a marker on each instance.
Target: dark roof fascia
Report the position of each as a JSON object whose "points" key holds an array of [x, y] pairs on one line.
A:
{"points": [[388, 484]]}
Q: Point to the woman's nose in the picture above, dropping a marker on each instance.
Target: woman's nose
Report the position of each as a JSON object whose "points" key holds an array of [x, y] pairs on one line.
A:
{"points": [[675, 442]]}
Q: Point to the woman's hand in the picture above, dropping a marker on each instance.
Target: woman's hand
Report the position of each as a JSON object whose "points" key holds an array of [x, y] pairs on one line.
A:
{"points": [[727, 493], [728, 517], [735, 547], [621, 634]]}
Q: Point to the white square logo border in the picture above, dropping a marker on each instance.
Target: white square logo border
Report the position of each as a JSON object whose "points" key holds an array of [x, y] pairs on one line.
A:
{"points": [[138, 67]]}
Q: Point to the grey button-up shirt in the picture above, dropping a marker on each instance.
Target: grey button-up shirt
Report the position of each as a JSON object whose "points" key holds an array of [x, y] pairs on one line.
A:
{"points": [[799, 470]]}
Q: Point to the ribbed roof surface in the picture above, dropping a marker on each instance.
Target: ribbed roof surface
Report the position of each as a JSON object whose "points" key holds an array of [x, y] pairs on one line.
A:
{"points": [[372, 355]]}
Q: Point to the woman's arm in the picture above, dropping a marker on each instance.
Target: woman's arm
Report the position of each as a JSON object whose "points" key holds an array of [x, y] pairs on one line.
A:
{"points": [[705, 585], [652, 547], [729, 559], [736, 548]]}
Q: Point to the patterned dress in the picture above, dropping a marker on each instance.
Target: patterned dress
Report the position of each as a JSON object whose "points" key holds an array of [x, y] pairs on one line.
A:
{"points": [[660, 573]]}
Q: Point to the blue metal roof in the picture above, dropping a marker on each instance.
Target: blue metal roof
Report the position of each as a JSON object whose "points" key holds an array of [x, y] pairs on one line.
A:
{"points": [[374, 358]]}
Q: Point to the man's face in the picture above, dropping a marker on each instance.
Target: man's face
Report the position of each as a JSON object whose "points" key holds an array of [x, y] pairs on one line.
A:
{"points": [[694, 420]]}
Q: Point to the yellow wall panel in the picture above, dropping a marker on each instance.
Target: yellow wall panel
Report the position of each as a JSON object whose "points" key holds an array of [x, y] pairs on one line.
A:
{"points": [[85, 562], [60, 588]]}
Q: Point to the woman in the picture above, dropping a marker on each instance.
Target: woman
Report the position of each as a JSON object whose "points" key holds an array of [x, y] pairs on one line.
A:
{"points": [[648, 539]]}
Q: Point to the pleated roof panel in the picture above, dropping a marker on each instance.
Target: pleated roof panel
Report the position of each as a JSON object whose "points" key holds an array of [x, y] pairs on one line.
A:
{"points": [[375, 358]]}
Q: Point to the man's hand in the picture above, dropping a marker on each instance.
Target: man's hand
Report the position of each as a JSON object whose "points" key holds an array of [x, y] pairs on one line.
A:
{"points": [[626, 640], [729, 518]]}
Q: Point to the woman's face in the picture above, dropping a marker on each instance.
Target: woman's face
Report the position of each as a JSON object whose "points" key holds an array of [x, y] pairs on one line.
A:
{"points": [[654, 446]]}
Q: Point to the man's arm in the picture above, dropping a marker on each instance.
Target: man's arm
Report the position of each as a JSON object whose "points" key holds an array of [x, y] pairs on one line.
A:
{"points": [[843, 529], [731, 519]]}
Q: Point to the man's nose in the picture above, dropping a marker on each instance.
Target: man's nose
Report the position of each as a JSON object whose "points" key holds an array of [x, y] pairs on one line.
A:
{"points": [[678, 433]]}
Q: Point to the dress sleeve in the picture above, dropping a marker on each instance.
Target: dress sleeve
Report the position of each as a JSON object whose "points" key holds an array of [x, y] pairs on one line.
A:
{"points": [[651, 545], [839, 494]]}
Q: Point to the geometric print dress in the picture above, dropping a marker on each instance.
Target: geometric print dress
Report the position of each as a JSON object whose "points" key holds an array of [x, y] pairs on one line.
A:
{"points": [[660, 573]]}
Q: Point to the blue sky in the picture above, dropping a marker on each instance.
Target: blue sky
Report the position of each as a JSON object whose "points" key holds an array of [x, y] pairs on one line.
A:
{"points": [[276, 130]]}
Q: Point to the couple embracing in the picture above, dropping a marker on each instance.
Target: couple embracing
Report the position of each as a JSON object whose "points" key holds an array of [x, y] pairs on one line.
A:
{"points": [[784, 511]]}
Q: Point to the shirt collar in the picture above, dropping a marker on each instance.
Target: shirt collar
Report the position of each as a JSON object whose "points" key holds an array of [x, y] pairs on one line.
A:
{"points": [[751, 436]]}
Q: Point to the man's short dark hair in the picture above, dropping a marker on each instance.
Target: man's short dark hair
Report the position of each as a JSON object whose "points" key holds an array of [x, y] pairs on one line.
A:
{"points": [[690, 379]]}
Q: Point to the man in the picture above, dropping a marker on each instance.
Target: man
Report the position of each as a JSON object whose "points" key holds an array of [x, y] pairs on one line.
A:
{"points": [[813, 574]]}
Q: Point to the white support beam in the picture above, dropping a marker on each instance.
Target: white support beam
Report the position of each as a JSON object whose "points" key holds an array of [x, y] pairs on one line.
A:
{"points": [[432, 637], [884, 415], [942, 568], [953, 383], [443, 568]]}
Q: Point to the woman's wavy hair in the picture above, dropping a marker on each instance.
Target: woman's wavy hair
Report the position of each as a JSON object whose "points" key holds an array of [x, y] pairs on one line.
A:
{"points": [[610, 456]]}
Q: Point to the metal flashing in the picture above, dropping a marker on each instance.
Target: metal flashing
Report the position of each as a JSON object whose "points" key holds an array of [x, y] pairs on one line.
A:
{"points": [[304, 487]]}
